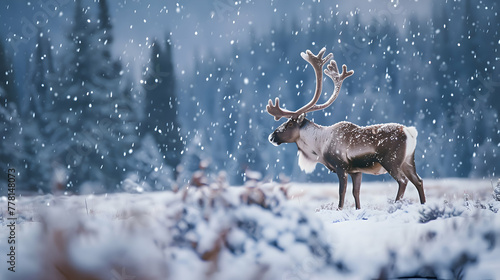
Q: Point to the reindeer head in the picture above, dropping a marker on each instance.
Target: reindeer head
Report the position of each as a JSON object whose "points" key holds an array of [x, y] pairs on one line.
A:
{"points": [[289, 132]]}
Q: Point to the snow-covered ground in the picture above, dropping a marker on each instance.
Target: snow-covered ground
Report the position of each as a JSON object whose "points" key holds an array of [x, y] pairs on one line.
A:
{"points": [[267, 231]]}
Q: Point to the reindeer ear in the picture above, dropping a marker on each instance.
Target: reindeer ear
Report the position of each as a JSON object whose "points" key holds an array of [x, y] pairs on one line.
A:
{"points": [[301, 118]]}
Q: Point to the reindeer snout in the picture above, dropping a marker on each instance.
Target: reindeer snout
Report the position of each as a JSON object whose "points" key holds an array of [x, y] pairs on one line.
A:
{"points": [[273, 139]]}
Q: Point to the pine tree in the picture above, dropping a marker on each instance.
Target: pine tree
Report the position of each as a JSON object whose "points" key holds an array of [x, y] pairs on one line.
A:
{"points": [[469, 131], [161, 103], [37, 152], [96, 133], [105, 24], [10, 121], [7, 79], [443, 65], [40, 84]]}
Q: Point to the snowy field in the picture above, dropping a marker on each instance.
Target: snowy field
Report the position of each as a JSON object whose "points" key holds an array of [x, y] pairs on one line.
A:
{"points": [[264, 231]]}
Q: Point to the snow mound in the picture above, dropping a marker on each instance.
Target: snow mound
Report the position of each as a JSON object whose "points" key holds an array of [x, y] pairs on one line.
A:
{"points": [[196, 233], [260, 231]]}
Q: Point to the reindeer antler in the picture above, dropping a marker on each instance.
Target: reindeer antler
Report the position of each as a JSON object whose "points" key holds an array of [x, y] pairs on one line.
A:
{"points": [[317, 62], [332, 71]]}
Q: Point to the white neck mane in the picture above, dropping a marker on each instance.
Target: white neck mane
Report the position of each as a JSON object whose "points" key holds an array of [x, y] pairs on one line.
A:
{"points": [[310, 146]]}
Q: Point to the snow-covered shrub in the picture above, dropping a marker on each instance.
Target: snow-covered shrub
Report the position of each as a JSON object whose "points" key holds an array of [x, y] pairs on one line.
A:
{"points": [[433, 212], [496, 191], [65, 245], [255, 227], [396, 205], [448, 250]]}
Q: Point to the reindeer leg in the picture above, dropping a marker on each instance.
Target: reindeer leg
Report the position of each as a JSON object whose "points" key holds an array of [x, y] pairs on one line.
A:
{"points": [[342, 186], [398, 175], [394, 163], [402, 188], [356, 185], [411, 172]]}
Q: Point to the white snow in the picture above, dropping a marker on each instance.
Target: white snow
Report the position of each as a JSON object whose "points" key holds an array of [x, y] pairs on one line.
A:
{"points": [[264, 232]]}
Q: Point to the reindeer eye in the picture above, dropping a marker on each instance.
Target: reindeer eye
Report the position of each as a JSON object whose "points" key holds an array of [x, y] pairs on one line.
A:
{"points": [[289, 124]]}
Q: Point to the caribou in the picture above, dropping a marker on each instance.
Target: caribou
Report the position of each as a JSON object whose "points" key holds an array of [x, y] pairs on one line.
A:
{"points": [[346, 148]]}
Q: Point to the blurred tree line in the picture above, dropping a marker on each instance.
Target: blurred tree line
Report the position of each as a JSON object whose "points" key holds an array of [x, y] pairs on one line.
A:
{"points": [[88, 126]]}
